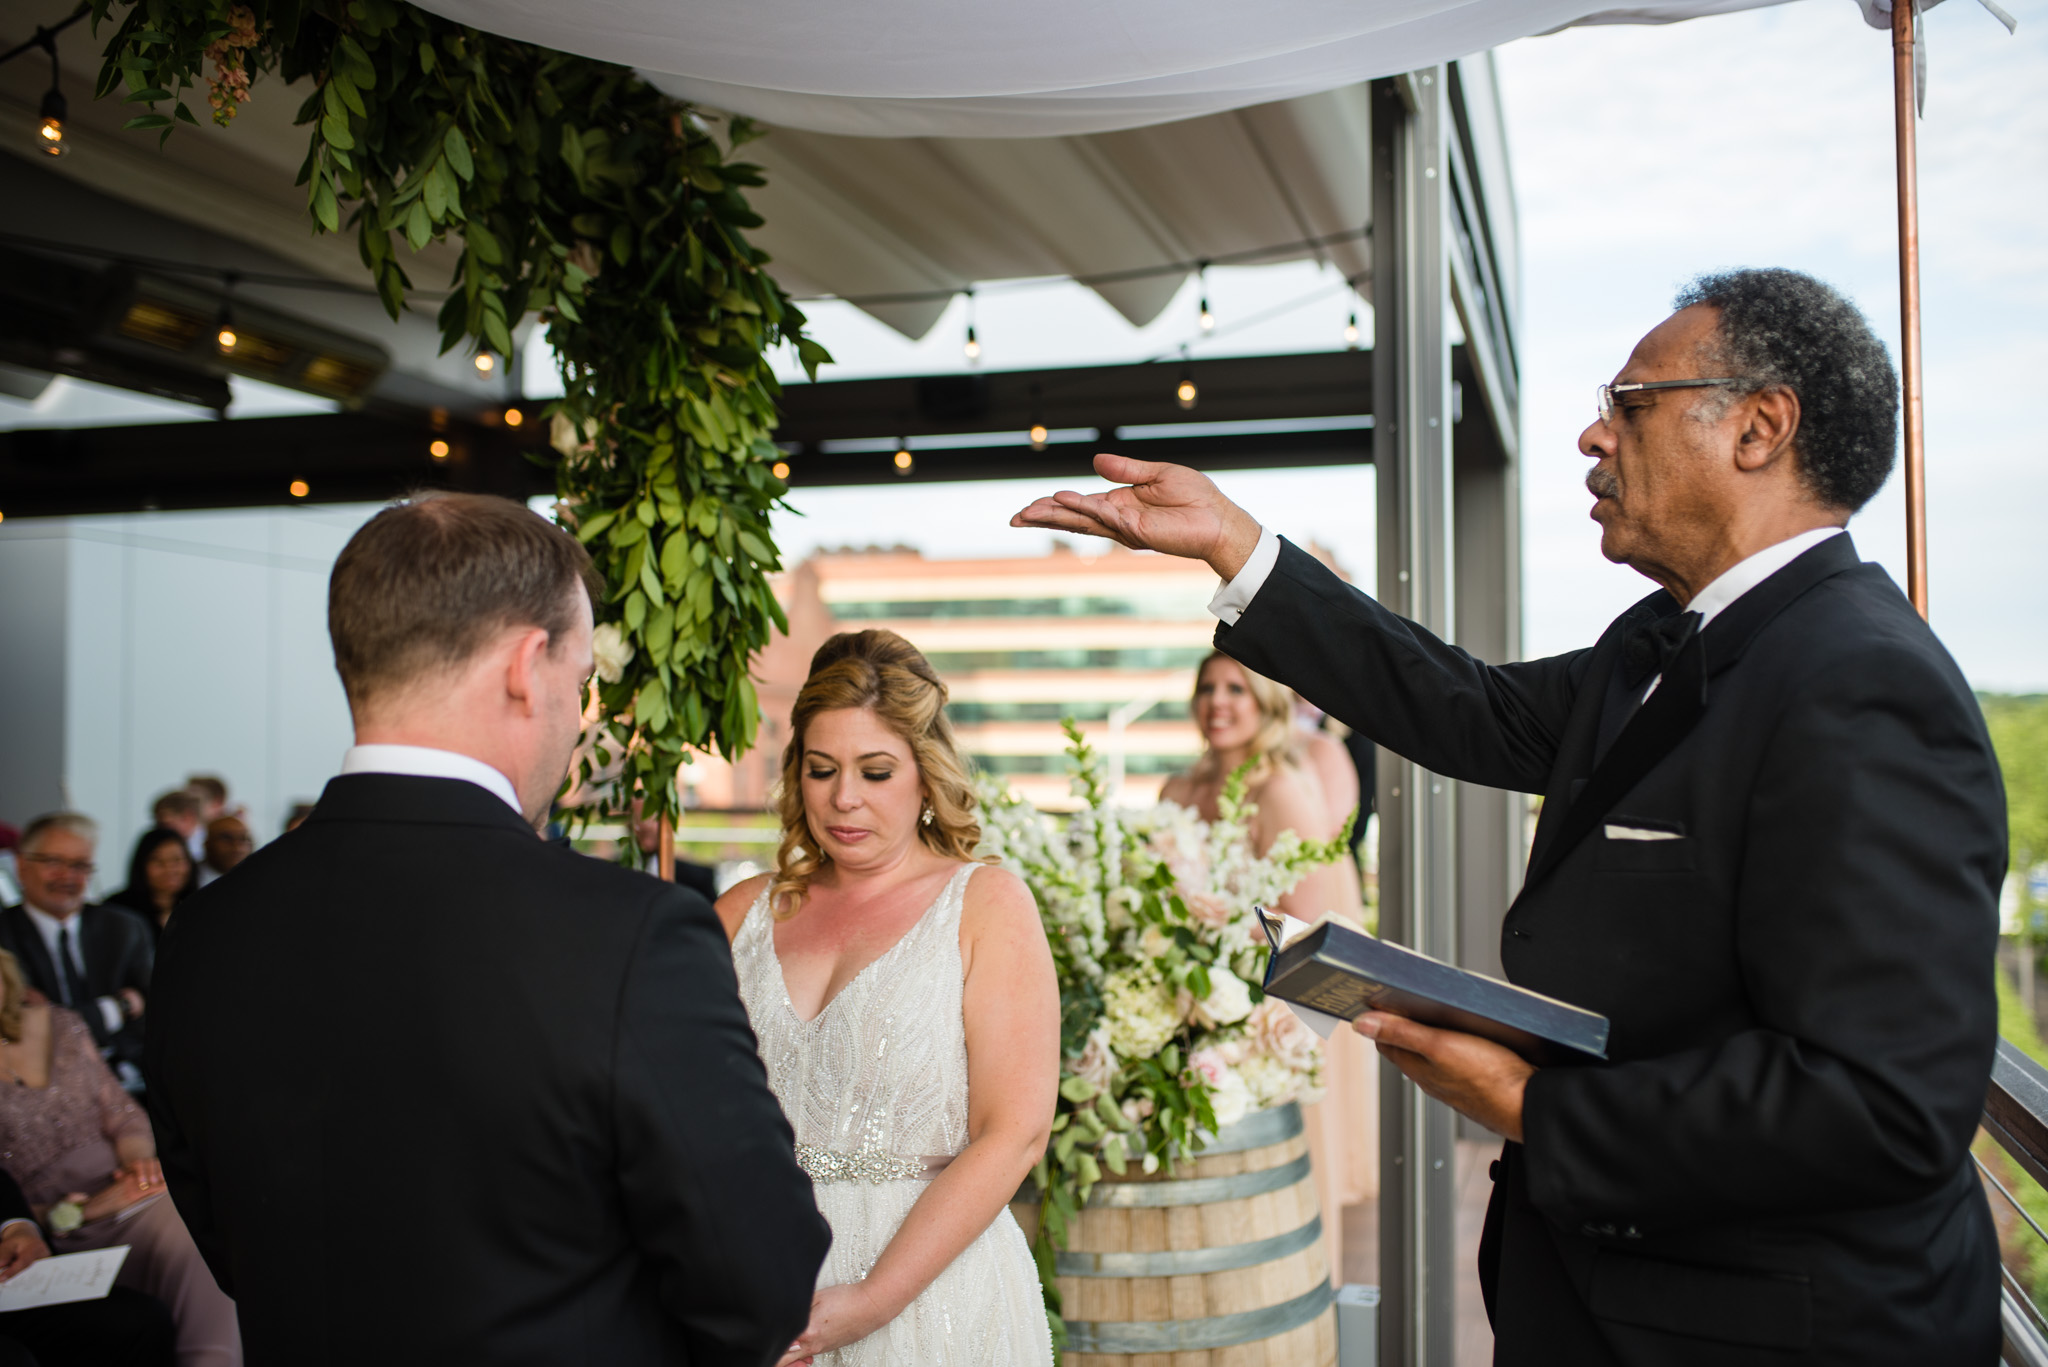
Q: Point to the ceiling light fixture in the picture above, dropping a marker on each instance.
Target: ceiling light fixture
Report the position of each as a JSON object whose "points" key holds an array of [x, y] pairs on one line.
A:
{"points": [[1038, 433], [513, 417], [485, 363], [438, 450], [1207, 319], [1351, 331], [973, 347], [299, 488], [1185, 392], [904, 464]]}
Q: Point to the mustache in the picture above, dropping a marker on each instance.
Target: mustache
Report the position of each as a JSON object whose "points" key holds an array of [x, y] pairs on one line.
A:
{"points": [[1603, 484]]}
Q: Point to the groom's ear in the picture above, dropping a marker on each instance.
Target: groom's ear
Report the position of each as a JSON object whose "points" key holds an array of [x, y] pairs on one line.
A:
{"points": [[522, 657]]}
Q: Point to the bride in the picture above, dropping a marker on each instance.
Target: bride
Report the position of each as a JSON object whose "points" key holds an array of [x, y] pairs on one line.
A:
{"points": [[904, 1000]]}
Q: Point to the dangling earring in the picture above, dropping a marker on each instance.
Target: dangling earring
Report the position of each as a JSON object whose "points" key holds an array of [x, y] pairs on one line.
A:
{"points": [[926, 819]]}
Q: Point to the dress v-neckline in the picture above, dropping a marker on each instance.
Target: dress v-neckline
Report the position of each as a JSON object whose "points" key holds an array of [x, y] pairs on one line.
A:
{"points": [[782, 980]]}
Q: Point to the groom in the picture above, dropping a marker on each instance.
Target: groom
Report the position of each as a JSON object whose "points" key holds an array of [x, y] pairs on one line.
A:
{"points": [[430, 1090], [1772, 840]]}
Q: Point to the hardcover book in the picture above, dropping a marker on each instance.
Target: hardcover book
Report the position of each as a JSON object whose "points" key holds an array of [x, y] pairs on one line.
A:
{"points": [[1345, 973]]}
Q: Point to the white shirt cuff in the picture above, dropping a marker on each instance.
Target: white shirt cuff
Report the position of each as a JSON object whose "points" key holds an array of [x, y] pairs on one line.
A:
{"points": [[1233, 598], [112, 1014]]}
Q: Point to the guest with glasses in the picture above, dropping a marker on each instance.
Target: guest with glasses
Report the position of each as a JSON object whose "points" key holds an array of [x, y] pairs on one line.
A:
{"points": [[96, 960]]}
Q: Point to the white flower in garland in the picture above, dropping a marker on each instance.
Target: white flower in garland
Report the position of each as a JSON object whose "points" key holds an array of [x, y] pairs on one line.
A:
{"points": [[612, 651]]}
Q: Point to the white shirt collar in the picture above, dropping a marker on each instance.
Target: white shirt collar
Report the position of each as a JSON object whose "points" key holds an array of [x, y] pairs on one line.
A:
{"points": [[421, 761], [47, 926], [1738, 579]]}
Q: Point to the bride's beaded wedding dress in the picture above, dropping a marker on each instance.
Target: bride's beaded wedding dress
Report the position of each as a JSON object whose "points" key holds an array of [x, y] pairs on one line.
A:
{"points": [[875, 1086]]}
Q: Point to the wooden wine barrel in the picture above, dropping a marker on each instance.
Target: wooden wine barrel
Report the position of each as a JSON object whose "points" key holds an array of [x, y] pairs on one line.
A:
{"points": [[1219, 1264]]}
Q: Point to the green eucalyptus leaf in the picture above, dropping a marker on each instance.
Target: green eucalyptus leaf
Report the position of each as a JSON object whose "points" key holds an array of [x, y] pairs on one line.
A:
{"points": [[335, 131]]}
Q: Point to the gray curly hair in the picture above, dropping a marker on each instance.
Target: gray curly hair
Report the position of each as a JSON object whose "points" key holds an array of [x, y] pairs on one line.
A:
{"points": [[1784, 328]]}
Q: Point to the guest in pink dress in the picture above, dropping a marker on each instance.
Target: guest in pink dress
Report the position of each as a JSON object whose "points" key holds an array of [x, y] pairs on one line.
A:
{"points": [[68, 1133]]}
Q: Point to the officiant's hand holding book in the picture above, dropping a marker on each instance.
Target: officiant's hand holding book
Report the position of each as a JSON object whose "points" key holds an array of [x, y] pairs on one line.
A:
{"points": [[1344, 973]]}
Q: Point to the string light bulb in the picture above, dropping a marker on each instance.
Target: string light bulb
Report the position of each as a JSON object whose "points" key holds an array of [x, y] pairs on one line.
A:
{"points": [[54, 112], [1351, 331], [299, 488], [973, 347], [1207, 319], [780, 470], [485, 363], [513, 417], [1185, 392], [1039, 436], [904, 464], [438, 449], [227, 338]]}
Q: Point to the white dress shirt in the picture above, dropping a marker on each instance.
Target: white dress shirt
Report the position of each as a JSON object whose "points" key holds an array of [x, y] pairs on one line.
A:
{"points": [[421, 761], [52, 930], [1710, 602]]}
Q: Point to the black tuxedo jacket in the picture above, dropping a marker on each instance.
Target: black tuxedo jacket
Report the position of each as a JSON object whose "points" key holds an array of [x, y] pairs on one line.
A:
{"points": [[1773, 1166], [521, 1119], [119, 950]]}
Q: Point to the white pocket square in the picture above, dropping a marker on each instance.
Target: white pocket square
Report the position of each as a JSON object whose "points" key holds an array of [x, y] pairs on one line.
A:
{"points": [[1615, 832]]}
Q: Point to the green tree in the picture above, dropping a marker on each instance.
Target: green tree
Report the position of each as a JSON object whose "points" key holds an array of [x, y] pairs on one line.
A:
{"points": [[2019, 732]]}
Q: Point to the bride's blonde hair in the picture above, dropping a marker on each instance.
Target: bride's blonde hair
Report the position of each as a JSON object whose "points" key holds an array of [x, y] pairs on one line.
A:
{"points": [[1274, 742], [879, 670]]}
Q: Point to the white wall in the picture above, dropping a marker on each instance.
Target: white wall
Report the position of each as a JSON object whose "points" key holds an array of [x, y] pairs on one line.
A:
{"points": [[140, 648]]}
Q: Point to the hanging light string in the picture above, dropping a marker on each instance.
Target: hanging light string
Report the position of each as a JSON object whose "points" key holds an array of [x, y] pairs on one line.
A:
{"points": [[1251, 256], [45, 35]]}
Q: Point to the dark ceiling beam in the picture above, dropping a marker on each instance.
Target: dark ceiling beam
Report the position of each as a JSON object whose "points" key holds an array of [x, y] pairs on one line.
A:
{"points": [[384, 451]]}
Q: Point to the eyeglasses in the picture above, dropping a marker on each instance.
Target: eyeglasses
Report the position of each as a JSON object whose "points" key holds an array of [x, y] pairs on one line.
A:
{"points": [[82, 867], [1608, 391]]}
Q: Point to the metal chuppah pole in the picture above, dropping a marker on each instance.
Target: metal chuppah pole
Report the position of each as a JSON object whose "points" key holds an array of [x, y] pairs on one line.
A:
{"points": [[1905, 97]]}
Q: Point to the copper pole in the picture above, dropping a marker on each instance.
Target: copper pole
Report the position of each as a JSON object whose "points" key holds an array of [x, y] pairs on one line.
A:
{"points": [[665, 852], [1906, 102]]}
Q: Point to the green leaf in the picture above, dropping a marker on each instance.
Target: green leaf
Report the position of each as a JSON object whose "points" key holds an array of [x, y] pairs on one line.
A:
{"points": [[335, 131], [148, 95], [350, 96], [1078, 1089], [622, 243], [483, 243], [148, 121], [458, 154], [436, 195], [497, 333], [419, 229], [324, 207]]}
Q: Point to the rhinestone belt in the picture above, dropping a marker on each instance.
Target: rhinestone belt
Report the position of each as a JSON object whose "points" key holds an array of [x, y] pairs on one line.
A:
{"points": [[865, 1165]]}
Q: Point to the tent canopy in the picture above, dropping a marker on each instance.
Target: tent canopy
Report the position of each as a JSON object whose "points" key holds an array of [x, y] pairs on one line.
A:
{"points": [[937, 68]]}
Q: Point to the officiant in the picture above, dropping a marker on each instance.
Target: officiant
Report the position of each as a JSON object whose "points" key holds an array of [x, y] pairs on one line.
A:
{"points": [[1772, 839]]}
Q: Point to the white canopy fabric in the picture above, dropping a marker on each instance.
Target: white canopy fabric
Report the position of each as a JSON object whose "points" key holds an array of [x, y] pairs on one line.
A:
{"points": [[1049, 68]]}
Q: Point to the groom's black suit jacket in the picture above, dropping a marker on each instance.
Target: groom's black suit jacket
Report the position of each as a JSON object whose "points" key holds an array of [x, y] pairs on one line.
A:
{"points": [[520, 1120], [1772, 1167]]}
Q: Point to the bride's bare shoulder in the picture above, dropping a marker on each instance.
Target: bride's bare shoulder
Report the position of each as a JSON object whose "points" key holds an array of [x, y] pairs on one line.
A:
{"points": [[738, 900], [1292, 799]]}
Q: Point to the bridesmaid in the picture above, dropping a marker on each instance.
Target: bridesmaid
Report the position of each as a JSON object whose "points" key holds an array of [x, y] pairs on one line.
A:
{"points": [[1247, 717]]}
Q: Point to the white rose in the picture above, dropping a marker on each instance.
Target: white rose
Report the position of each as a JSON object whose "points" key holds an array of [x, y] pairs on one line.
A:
{"points": [[1228, 1002], [1154, 943], [612, 651], [1232, 1099], [1098, 1062]]}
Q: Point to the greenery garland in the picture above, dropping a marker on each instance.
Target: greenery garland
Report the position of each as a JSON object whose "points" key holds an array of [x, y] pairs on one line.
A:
{"points": [[578, 192]]}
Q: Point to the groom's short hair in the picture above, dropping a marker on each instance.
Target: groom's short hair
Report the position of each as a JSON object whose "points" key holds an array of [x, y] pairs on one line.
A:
{"points": [[423, 585]]}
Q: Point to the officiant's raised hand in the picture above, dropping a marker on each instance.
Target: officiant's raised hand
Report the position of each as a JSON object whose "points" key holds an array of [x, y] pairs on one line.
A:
{"points": [[1167, 508]]}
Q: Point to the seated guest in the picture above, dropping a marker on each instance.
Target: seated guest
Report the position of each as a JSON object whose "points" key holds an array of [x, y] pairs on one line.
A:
{"points": [[228, 843], [212, 792], [161, 874], [94, 959], [83, 1151], [180, 810], [123, 1329]]}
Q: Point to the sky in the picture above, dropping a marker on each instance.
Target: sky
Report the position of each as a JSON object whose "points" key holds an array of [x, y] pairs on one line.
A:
{"points": [[1643, 156]]}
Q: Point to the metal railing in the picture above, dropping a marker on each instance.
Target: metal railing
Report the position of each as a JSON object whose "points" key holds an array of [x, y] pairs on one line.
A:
{"points": [[2016, 1115]]}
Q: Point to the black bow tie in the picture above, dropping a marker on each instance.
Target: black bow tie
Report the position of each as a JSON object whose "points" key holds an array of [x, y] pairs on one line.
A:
{"points": [[1648, 647]]}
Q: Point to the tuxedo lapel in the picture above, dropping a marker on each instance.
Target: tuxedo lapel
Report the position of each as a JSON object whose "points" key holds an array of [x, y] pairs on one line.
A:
{"points": [[41, 971], [1671, 712]]}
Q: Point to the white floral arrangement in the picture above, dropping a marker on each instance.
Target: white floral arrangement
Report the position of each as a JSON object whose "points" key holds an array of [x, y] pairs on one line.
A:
{"points": [[1165, 1035]]}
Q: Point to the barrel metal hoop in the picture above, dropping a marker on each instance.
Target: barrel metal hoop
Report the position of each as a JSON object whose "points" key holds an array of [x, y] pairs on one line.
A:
{"points": [[1198, 1191], [1275, 1125], [1186, 1336], [1189, 1261]]}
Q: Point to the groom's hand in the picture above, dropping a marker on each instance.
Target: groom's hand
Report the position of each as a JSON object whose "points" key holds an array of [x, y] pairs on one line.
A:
{"points": [[1475, 1077], [1167, 508]]}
